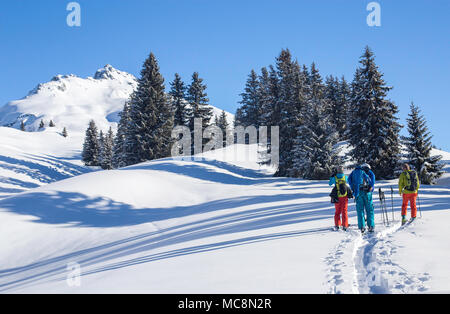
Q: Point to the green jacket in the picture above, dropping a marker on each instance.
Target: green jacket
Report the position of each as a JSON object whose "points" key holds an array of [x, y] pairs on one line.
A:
{"points": [[403, 182]]}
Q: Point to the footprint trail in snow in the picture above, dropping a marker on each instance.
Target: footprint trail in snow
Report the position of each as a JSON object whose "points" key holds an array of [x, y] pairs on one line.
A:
{"points": [[364, 264]]}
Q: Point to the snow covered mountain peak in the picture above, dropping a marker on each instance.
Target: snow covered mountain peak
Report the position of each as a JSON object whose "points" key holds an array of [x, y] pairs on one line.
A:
{"points": [[108, 72], [71, 101]]}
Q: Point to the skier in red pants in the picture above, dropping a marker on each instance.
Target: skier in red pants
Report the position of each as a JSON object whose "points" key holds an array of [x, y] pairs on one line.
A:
{"points": [[408, 186], [340, 181]]}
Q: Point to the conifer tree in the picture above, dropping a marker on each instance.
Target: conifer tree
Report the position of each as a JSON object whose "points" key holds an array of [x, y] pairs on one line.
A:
{"points": [[149, 132], [119, 156], [418, 146], [290, 102], [91, 146], [101, 142], [22, 126], [41, 125], [51, 124], [179, 104], [332, 95], [251, 102], [338, 95], [271, 104], [343, 102], [199, 104], [107, 150], [64, 132], [265, 92], [222, 123], [314, 153], [238, 117], [373, 129]]}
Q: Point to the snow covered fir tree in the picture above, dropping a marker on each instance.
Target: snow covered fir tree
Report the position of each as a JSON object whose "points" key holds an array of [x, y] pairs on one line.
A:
{"points": [[147, 133], [179, 103], [91, 146], [314, 151], [107, 150], [199, 106], [373, 128], [119, 149], [222, 123], [418, 147]]}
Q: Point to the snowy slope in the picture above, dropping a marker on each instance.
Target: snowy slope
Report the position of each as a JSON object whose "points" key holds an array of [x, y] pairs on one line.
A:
{"points": [[32, 159], [211, 226]]}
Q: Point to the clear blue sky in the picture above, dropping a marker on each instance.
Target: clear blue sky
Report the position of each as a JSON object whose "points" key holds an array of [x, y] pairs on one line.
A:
{"points": [[225, 39]]}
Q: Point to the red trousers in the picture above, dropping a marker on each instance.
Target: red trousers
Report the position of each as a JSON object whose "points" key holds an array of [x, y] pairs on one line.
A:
{"points": [[412, 199], [341, 210]]}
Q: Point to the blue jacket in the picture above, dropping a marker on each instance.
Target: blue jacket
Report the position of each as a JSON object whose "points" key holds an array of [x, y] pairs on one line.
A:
{"points": [[371, 179], [358, 177], [339, 176]]}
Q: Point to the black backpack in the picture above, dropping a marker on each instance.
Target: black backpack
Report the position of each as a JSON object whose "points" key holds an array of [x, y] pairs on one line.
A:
{"points": [[411, 177]]}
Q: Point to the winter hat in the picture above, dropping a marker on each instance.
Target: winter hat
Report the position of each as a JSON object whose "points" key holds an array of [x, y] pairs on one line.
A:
{"points": [[365, 166], [339, 170]]}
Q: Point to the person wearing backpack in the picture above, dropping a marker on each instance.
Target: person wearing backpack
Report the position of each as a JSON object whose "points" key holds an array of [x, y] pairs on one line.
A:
{"points": [[339, 180], [362, 183], [408, 186]]}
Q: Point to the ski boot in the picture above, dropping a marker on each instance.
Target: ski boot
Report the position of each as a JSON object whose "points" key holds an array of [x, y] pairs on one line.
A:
{"points": [[404, 221], [371, 229], [412, 219], [336, 228], [363, 230]]}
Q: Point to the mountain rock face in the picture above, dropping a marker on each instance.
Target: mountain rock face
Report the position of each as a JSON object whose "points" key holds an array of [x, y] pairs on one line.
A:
{"points": [[71, 101]]}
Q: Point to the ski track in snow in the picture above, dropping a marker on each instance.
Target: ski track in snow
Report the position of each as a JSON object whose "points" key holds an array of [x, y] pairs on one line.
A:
{"points": [[366, 262]]}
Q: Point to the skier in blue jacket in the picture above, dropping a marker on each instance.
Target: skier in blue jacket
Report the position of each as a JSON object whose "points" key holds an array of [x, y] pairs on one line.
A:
{"points": [[362, 183]]}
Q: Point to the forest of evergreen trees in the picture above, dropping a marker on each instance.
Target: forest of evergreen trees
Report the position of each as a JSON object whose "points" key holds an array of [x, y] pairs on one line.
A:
{"points": [[313, 115]]}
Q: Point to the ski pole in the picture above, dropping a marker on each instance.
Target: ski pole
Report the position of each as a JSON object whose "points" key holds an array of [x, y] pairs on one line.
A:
{"points": [[392, 203], [385, 208], [381, 204]]}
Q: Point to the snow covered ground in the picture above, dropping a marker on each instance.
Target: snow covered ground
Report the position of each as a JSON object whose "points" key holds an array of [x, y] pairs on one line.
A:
{"points": [[218, 225], [31, 159]]}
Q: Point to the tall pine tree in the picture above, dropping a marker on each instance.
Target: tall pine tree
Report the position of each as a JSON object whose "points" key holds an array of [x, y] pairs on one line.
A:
{"points": [[149, 132], [315, 154], [418, 146], [91, 146], [343, 102], [373, 129], [119, 156], [222, 123], [251, 102], [199, 104], [107, 150], [179, 104], [290, 103]]}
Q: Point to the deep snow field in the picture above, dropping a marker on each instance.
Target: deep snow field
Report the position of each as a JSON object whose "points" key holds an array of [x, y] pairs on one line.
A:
{"points": [[217, 225]]}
